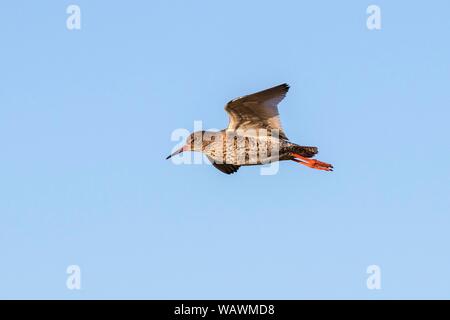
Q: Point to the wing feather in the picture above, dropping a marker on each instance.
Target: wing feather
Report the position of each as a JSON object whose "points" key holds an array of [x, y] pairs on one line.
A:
{"points": [[258, 110], [224, 167]]}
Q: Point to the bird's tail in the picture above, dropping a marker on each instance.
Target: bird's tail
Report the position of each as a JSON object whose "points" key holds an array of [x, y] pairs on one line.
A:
{"points": [[307, 152]]}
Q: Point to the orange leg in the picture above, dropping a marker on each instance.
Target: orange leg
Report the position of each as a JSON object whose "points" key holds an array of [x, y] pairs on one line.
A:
{"points": [[312, 163]]}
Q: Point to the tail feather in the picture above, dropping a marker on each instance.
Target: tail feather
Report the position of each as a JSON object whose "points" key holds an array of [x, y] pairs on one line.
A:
{"points": [[307, 152]]}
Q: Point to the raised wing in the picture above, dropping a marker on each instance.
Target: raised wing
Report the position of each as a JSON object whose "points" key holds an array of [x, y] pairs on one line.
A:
{"points": [[258, 110]]}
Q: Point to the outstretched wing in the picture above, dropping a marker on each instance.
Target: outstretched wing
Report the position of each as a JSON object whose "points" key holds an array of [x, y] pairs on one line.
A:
{"points": [[258, 110]]}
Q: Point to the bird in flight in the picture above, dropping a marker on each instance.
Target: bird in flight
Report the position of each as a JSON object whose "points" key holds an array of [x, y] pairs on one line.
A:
{"points": [[254, 136]]}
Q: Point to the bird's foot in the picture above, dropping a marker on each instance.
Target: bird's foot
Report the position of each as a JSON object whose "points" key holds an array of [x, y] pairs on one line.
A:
{"points": [[312, 163]]}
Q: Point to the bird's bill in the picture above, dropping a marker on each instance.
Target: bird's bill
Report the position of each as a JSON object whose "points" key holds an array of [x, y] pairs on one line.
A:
{"points": [[184, 148]]}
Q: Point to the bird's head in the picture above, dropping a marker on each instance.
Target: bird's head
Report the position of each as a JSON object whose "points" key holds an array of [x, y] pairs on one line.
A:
{"points": [[194, 142]]}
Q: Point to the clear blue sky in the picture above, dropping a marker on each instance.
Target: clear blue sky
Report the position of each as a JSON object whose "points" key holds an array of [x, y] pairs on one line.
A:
{"points": [[85, 124]]}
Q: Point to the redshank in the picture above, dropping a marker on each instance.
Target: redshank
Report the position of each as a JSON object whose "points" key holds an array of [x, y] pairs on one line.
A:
{"points": [[254, 136]]}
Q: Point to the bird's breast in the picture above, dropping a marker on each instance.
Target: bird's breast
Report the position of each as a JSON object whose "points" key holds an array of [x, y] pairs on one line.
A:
{"points": [[243, 150]]}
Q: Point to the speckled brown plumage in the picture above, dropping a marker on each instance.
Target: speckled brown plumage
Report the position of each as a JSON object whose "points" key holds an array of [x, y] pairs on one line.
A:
{"points": [[254, 136]]}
